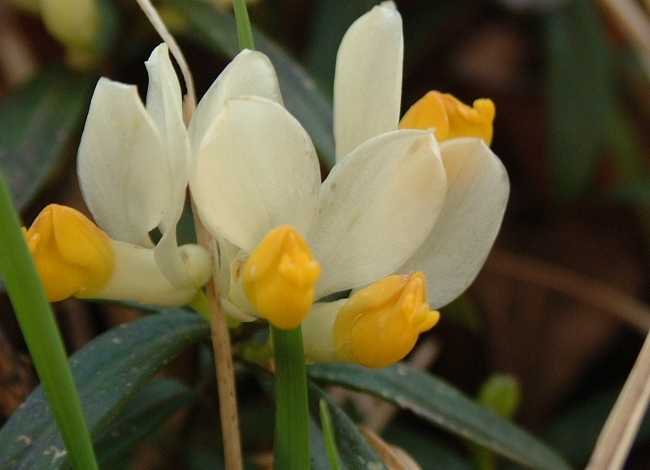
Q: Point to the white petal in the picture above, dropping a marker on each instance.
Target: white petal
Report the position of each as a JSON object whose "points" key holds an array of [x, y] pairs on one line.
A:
{"points": [[164, 103], [138, 278], [318, 332], [230, 303], [123, 172], [249, 73], [377, 207], [368, 79], [258, 171], [169, 260], [465, 231]]}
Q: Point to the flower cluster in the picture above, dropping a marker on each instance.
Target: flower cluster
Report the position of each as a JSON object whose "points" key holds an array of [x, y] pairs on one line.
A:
{"points": [[407, 202]]}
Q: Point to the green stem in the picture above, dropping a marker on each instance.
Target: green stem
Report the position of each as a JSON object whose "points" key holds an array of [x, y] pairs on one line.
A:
{"points": [[42, 335], [328, 434], [244, 30], [291, 448]]}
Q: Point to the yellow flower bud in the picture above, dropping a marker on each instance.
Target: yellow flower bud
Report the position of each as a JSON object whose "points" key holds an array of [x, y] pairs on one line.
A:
{"points": [[72, 255], [279, 278], [380, 324], [450, 117]]}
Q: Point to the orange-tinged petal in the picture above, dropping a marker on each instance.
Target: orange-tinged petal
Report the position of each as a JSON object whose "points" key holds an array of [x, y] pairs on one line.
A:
{"points": [[380, 324], [450, 117], [280, 276], [72, 255]]}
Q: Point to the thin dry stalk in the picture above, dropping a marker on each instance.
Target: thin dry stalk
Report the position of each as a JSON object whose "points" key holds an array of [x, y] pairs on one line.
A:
{"points": [[158, 24], [223, 357], [619, 432], [219, 327], [635, 24], [633, 20]]}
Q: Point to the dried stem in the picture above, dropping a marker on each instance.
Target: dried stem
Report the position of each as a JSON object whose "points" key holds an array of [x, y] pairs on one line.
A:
{"points": [[161, 29], [222, 356], [619, 432], [220, 333]]}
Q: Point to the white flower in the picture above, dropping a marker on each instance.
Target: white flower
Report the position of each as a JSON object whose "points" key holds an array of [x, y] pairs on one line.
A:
{"points": [[367, 92], [257, 170], [395, 202]]}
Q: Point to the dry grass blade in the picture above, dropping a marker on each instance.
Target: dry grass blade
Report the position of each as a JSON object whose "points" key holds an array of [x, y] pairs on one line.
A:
{"points": [[619, 432]]}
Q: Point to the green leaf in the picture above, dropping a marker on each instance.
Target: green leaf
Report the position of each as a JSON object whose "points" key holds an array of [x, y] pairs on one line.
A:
{"points": [[151, 407], [427, 451], [215, 29], [354, 451], [108, 371], [439, 403], [41, 333], [579, 92], [39, 120]]}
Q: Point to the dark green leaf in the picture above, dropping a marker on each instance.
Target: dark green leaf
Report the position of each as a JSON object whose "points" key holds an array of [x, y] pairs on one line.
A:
{"points": [[215, 29], [425, 449], [156, 402], [441, 404], [580, 96], [354, 450], [108, 371], [39, 120]]}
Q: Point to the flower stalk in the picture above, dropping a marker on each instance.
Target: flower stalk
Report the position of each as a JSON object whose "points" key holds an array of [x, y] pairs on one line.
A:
{"points": [[291, 447], [42, 335]]}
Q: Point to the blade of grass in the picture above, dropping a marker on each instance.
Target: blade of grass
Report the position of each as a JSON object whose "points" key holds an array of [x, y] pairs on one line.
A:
{"points": [[42, 335]]}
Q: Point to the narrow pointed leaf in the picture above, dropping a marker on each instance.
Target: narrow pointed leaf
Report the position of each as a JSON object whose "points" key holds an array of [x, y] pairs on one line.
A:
{"points": [[579, 78], [108, 371], [354, 451], [156, 402], [439, 403]]}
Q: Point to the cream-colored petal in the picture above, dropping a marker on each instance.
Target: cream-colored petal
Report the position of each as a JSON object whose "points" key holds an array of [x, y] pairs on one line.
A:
{"points": [[318, 332], [170, 262], [461, 239], [368, 79], [377, 207], [249, 73], [123, 172], [164, 104], [258, 171], [138, 278], [233, 299]]}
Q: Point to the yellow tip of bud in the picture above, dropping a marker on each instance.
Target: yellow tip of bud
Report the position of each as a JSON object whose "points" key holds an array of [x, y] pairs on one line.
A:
{"points": [[279, 278], [450, 117], [72, 255], [380, 324]]}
